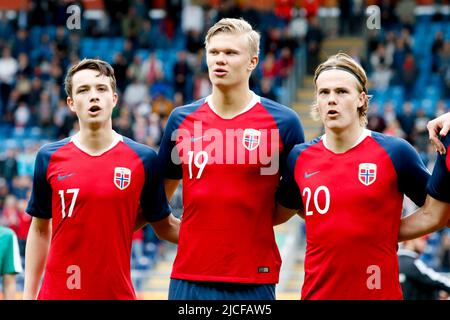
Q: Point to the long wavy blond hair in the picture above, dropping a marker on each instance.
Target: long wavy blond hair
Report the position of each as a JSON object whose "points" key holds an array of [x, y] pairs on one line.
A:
{"points": [[343, 61]]}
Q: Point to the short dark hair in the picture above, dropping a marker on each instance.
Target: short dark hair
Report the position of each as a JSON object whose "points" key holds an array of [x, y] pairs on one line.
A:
{"points": [[103, 67]]}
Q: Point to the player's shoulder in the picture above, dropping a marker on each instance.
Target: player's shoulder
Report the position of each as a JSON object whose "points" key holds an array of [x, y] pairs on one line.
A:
{"points": [[143, 151], [182, 111], [278, 110], [301, 147], [48, 149], [392, 143]]}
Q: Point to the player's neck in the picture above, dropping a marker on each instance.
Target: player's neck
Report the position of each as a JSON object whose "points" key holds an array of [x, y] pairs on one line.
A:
{"points": [[342, 141], [95, 141], [230, 103]]}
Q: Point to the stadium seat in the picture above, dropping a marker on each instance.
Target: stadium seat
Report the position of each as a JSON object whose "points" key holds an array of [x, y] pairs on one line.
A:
{"points": [[429, 107]]}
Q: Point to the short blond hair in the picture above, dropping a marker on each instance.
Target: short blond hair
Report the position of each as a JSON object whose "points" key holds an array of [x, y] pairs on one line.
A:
{"points": [[343, 61], [236, 26]]}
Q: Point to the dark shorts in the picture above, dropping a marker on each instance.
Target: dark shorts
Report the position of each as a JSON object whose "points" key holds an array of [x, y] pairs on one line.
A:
{"points": [[200, 290]]}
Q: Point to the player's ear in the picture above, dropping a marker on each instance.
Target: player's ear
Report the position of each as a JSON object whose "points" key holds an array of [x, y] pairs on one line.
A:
{"points": [[115, 99], [69, 101], [253, 63], [362, 99]]}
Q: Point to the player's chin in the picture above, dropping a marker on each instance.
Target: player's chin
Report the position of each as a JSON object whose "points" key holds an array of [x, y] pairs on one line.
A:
{"points": [[96, 119], [333, 124], [221, 83]]}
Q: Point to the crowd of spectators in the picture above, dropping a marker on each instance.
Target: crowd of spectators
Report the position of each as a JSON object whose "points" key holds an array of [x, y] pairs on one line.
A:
{"points": [[37, 49], [408, 62], [159, 65]]}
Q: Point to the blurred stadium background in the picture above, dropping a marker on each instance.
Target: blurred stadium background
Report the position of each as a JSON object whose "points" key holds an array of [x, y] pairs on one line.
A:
{"points": [[156, 49]]}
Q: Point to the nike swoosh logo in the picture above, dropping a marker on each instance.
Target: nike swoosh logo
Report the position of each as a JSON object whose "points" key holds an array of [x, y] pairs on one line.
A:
{"points": [[307, 175], [62, 177], [193, 139]]}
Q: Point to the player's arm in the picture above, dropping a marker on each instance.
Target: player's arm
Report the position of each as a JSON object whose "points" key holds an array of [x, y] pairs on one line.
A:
{"points": [[439, 127], [38, 244], [9, 286], [432, 216], [167, 228], [288, 199], [283, 214], [170, 185], [140, 220]]}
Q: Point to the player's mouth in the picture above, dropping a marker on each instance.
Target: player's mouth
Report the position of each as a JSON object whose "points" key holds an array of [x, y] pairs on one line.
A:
{"points": [[332, 113], [219, 72], [94, 110]]}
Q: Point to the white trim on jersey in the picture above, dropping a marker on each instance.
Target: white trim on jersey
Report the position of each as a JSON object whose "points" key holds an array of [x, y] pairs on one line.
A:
{"points": [[16, 253], [76, 141], [255, 99], [365, 133], [409, 253], [433, 275]]}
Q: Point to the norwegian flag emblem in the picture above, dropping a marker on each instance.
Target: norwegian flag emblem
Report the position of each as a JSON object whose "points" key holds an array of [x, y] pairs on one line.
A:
{"points": [[122, 177], [367, 173], [251, 139]]}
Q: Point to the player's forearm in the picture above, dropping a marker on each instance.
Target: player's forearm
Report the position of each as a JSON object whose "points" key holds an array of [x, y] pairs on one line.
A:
{"points": [[38, 244], [282, 214], [415, 225], [170, 187], [429, 218], [168, 229], [140, 221], [9, 286]]}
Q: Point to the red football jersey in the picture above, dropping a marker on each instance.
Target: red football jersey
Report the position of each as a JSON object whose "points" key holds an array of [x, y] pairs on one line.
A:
{"points": [[93, 202], [230, 175], [353, 204]]}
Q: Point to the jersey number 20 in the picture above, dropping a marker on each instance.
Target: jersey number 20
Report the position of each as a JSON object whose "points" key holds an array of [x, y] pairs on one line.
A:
{"points": [[307, 191]]}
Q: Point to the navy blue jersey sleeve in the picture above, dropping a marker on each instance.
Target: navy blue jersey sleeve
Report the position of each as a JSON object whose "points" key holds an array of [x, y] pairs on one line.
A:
{"points": [[439, 184], [40, 203], [411, 171], [288, 193], [292, 134], [169, 161], [288, 122], [153, 199], [289, 126]]}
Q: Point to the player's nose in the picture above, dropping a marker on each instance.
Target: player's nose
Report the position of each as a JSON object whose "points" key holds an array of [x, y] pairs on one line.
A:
{"points": [[221, 59], [93, 96], [332, 98]]}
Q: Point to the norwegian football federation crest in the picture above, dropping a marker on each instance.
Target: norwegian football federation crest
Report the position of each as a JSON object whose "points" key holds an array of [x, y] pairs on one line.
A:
{"points": [[367, 173], [122, 177], [251, 139]]}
